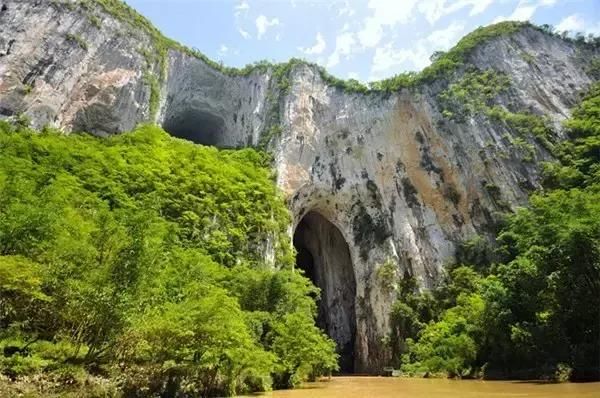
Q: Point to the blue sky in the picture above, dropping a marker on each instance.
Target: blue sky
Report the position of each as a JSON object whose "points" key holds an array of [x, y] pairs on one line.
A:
{"points": [[363, 39]]}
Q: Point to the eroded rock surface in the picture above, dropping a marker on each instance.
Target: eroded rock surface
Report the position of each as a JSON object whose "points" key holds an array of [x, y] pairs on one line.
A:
{"points": [[399, 180]]}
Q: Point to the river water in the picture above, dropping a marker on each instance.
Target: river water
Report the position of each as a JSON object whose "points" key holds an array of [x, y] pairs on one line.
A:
{"points": [[391, 387]]}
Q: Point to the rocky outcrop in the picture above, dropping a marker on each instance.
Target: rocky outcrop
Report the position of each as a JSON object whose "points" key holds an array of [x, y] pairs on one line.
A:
{"points": [[398, 177]]}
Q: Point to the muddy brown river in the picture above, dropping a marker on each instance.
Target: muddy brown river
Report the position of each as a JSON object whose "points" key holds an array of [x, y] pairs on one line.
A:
{"points": [[388, 387]]}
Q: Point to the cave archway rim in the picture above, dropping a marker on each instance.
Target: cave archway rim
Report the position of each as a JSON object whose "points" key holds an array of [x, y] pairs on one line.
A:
{"points": [[297, 219]]}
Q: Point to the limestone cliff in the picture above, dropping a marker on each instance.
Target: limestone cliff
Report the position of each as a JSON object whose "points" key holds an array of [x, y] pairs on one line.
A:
{"points": [[404, 175]]}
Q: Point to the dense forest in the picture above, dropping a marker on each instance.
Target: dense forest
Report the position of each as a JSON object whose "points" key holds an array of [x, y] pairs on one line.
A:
{"points": [[528, 306], [136, 263]]}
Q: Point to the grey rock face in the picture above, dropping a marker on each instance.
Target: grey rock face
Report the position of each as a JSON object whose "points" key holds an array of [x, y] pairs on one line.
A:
{"points": [[60, 69], [230, 109], [393, 178]]}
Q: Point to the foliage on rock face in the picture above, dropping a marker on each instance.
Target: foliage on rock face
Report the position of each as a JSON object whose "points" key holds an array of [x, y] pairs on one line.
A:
{"points": [[533, 313], [477, 92], [140, 257], [473, 93], [579, 156]]}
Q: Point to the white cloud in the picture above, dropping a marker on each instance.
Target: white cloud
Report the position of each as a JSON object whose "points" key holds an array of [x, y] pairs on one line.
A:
{"points": [[525, 10], [263, 24], [241, 11], [433, 10], [223, 50], [389, 13], [479, 6], [243, 33], [243, 6], [353, 75], [371, 33], [573, 23], [443, 39], [346, 10], [389, 59], [523, 13], [318, 48], [576, 23], [344, 43], [385, 13]]}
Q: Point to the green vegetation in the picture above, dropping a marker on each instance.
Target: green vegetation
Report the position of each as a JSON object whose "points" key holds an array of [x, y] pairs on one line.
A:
{"points": [[594, 68], [579, 156], [472, 94], [154, 102], [386, 275], [267, 136], [135, 264], [26, 89], [527, 57], [476, 93], [95, 21], [530, 307], [77, 39], [527, 149]]}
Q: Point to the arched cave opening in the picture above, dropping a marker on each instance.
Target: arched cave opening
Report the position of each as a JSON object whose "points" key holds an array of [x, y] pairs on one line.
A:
{"points": [[195, 125], [323, 254]]}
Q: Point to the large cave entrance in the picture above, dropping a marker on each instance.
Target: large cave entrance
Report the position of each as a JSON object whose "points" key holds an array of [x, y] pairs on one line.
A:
{"points": [[195, 125], [324, 256]]}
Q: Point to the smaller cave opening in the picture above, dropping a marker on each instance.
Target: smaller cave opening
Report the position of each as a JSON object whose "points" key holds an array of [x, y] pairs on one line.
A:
{"points": [[198, 126], [324, 256]]}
